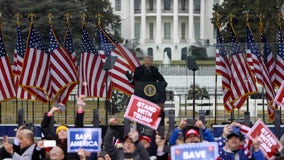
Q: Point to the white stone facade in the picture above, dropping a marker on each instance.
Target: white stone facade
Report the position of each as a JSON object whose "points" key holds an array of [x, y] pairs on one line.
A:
{"points": [[167, 27]]}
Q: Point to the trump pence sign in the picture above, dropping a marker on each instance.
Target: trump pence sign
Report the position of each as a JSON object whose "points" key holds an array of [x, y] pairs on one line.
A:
{"points": [[86, 138], [143, 112], [269, 144]]}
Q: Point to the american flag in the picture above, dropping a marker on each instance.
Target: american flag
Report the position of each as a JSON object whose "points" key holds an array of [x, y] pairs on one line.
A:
{"points": [[242, 81], [63, 72], [108, 47], [268, 59], [35, 76], [279, 71], [260, 71], [121, 50], [68, 44], [223, 69], [92, 77], [7, 86], [19, 53]]}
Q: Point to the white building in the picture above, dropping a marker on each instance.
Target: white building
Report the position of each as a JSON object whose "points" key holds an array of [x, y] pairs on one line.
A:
{"points": [[165, 27]]}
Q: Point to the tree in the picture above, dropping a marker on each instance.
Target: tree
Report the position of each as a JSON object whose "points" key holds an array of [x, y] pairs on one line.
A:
{"points": [[119, 102], [200, 93], [101, 10], [9, 8], [41, 8], [254, 8]]}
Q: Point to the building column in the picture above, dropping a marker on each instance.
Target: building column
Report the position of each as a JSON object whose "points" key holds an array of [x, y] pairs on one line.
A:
{"points": [[132, 20], [202, 18], [158, 22], [175, 23], [191, 33], [143, 22]]}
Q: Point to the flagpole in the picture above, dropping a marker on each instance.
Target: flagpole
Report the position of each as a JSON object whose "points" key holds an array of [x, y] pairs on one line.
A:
{"points": [[215, 94], [215, 103]]}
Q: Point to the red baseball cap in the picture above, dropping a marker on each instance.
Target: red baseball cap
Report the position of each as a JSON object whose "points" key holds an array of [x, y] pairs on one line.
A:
{"points": [[148, 139], [191, 131]]}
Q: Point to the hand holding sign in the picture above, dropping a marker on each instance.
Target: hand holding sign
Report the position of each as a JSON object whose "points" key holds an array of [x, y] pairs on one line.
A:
{"points": [[269, 144], [256, 144], [113, 121], [143, 111]]}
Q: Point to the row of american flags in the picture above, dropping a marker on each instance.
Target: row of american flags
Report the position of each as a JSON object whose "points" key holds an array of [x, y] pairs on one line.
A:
{"points": [[49, 74], [242, 70]]}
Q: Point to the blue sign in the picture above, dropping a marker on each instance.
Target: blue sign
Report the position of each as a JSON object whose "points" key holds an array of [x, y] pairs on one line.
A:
{"points": [[195, 151], [86, 138]]}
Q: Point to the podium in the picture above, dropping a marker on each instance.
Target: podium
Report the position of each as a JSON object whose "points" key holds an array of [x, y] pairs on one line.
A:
{"points": [[151, 91]]}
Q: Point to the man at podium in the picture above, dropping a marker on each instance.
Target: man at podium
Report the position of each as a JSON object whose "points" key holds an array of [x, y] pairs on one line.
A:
{"points": [[150, 84]]}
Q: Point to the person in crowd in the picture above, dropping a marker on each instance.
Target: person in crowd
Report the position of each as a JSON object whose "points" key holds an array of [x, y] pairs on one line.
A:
{"points": [[24, 147], [132, 147], [56, 153], [160, 150], [104, 156], [3, 153], [60, 134], [145, 141], [192, 134], [231, 146]]}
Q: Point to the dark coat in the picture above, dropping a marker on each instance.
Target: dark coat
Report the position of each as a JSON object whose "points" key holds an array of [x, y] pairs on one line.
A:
{"points": [[148, 74], [118, 154], [49, 133]]}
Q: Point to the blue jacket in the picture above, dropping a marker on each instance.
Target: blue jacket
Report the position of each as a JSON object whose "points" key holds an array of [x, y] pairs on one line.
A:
{"points": [[207, 135], [224, 155]]}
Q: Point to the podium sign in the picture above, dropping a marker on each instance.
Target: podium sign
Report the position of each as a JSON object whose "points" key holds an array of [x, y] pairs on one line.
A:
{"points": [[151, 91]]}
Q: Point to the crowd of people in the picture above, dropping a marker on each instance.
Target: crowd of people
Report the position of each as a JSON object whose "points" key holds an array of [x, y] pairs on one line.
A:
{"points": [[136, 144], [133, 146]]}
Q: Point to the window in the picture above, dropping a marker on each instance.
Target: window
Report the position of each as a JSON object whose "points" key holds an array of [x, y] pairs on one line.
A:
{"points": [[151, 30], [167, 53], [150, 52], [137, 31], [151, 5], [118, 29], [196, 6], [183, 4], [137, 8], [167, 4], [183, 53], [216, 1], [117, 5], [167, 30], [197, 30], [182, 30]]}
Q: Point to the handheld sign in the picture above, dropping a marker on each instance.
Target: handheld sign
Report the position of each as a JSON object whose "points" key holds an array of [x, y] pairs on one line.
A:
{"points": [[86, 138], [269, 144], [279, 98], [143, 112], [195, 151]]}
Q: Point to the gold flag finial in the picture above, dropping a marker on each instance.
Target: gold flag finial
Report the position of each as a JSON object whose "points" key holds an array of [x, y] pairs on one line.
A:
{"points": [[32, 16], [99, 16], [247, 17], [68, 16], [279, 18], [261, 16], [18, 16], [83, 16], [231, 18], [0, 19], [50, 16], [217, 18]]}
